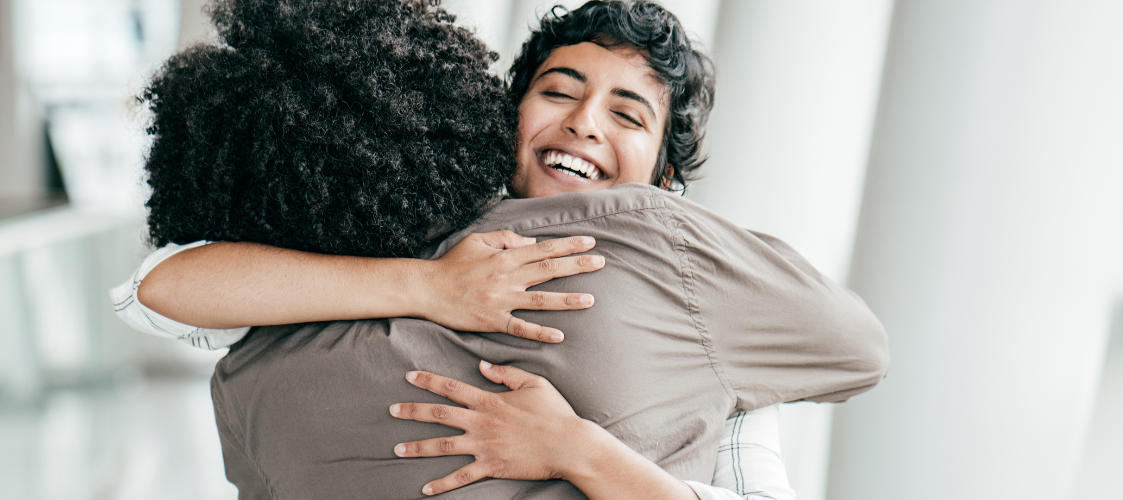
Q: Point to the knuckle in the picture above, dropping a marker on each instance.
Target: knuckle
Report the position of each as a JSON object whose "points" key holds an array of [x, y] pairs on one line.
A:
{"points": [[489, 402], [518, 329], [492, 423], [499, 467], [424, 378], [490, 296], [463, 477], [547, 245], [537, 299], [452, 385], [584, 261], [441, 412], [446, 445], [413, 449], [549, 266], [408, 409]]}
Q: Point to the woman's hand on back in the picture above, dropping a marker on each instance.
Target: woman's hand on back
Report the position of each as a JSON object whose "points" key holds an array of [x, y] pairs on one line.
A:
{"points": [[529, 433], [480, 281]]}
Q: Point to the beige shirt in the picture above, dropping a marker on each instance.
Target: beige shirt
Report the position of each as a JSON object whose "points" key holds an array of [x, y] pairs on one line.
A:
{"points": [[695, 319]]}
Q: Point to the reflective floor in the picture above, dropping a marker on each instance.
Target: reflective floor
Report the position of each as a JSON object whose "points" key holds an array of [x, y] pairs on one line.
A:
{"points": [[132, 439]]}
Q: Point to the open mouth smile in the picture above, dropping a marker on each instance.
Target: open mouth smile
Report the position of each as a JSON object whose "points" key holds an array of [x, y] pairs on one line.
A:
{"points": [[571, 165]]}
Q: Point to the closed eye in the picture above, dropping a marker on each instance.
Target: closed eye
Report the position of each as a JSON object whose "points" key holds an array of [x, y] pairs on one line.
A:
{"points": [[557, 95], [630, 119]]}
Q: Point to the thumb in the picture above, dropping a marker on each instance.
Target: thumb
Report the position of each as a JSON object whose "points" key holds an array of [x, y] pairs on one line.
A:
{"points": [[501, 240], [509, 376]]}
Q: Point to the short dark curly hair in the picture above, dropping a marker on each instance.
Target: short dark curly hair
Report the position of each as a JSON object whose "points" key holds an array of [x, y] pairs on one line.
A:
{"points": [[661, 39], [357, 127]]}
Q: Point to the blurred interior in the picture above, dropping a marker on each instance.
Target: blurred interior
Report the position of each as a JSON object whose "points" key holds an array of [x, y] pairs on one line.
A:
{"points": [[957, 163]]}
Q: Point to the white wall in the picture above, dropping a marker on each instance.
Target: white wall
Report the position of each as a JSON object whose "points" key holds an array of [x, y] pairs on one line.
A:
{"points": [[788, 141], [989, 246]]}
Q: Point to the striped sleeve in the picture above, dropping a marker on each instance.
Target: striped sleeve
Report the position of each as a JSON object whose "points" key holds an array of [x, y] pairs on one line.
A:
{"points": [[143, 319], [749, 463]]}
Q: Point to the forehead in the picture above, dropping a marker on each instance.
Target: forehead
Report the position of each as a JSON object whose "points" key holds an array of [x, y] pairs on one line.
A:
{"points": [[616, 67]]}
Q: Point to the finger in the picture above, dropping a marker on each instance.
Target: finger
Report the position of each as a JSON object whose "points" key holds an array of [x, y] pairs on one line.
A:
{"points": [[450, 416], [546, 270], [513, 378], [453, 389], [523, 329], [466, 475], [550, 301], [559, 247], [504, 240], [437, 447]]}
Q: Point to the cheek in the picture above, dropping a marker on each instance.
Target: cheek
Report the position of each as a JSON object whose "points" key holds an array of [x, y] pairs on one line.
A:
{"points": [[637, 160]]}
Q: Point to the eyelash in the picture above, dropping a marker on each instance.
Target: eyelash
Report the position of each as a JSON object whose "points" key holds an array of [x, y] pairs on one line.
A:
{"points": [[631, 120]]}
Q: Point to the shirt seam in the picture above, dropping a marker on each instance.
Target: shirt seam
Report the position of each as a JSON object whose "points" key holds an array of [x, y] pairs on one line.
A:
{"points": [[686, 274]]}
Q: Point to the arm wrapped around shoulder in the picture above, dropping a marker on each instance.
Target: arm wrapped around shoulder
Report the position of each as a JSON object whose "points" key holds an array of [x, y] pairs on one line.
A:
{"points": [[780, 330]]}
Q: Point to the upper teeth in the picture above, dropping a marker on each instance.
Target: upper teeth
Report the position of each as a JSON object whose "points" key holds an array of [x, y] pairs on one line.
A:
{"points": [[555, 158]]}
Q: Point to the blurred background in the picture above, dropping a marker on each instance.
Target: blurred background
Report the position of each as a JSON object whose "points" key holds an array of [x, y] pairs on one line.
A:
{"points": [[959, 163]]}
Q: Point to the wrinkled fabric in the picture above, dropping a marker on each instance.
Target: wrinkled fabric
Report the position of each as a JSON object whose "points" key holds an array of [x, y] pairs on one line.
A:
{"points": [[695, 319]]}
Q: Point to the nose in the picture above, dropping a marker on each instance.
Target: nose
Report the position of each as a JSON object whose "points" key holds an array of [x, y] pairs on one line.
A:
{"points": [[582, 123]]}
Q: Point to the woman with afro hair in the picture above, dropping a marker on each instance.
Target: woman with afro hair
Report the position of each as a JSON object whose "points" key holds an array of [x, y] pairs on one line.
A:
{"points": [[326, 143]]}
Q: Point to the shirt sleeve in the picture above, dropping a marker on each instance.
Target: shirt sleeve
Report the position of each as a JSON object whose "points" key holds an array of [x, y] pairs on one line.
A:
{"points": [[141, 318], [781, 331], [749, 463]]}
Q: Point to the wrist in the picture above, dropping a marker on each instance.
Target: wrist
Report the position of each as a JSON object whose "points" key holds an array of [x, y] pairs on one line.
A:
{"points": [[418, 286], [592, 449]]}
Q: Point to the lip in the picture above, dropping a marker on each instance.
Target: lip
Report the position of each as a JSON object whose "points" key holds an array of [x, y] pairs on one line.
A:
{"points": [[566, 178]]}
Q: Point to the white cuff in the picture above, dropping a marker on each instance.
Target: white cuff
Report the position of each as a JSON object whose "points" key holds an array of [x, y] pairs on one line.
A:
{"points": [[141, 318]]}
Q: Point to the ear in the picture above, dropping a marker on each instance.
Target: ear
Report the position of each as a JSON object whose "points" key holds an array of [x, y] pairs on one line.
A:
{"points": [[667, 178]]}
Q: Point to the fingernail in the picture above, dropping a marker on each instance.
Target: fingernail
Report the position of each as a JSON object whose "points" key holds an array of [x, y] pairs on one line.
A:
{"points": [[588, 240], [400, 450], [529, 241], [395, 409], [485, 364], [598, 260], [427, 490], [411, 376], [585, 300], [557, 337]]}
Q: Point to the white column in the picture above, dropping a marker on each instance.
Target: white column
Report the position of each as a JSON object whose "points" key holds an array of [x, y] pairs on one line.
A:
{"points": [[194, 26], [488, 19], [788, 142], [21, 173], [989, 246], [1103, 453]]}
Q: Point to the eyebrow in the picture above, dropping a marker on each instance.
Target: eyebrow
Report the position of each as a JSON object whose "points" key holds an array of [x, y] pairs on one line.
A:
{"points": [[619, 92]]}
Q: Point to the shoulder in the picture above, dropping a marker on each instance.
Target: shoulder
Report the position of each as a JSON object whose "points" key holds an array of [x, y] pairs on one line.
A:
{"points": [[644, 206]]}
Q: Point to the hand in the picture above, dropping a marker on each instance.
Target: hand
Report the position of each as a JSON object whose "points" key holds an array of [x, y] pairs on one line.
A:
{"points": [[475, 286], [529, 433]]}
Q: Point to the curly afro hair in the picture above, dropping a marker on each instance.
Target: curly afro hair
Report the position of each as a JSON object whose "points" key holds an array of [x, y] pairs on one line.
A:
{"points": [[358, 127], [655, 32]]}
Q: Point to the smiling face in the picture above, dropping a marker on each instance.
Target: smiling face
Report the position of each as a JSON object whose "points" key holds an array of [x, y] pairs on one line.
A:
{"points": [[591, 119]]}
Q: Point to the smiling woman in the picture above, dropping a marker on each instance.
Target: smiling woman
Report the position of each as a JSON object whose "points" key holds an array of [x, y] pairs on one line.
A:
{"points": [[592, 118], [649, 41]]}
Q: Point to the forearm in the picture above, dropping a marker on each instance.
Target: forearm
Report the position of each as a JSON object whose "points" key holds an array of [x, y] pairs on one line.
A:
{"points": [[228, 285], [612, 470]]}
